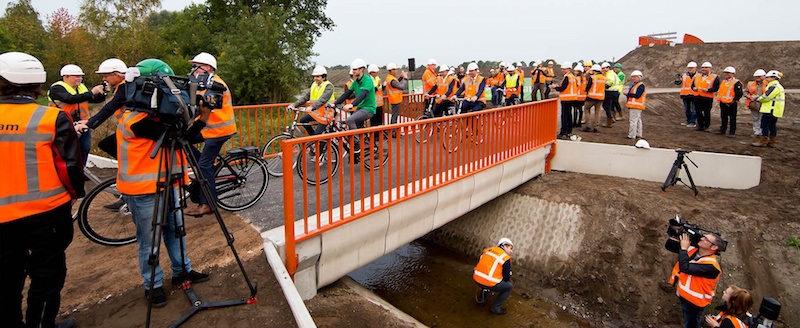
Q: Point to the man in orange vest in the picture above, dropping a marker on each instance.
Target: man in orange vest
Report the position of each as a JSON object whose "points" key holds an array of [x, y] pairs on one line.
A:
{"points": [[499, 77], [73, 97], [568, 96], [395, 85], [538, 80], [687, 94], [472, 89], [730, 91], [137, 179], [42, 176], [549, 76], [220, 127], [696, 275], [493, 273], [429, 80], [704, 85], [113, 71], [637, 99], [755, 88], [445, 88], [595, 95]]}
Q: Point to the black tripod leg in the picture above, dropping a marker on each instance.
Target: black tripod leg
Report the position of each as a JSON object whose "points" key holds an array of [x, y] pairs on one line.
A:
{"points": [[691, 182], [672, 177], [160, 211]]}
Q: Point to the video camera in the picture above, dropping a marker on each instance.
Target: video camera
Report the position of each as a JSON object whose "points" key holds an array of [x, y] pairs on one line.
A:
{"points": [[172, 98], [677, 227]]}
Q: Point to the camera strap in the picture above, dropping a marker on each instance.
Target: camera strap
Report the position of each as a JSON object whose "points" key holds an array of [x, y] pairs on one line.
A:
{"points": [[177, 94]]}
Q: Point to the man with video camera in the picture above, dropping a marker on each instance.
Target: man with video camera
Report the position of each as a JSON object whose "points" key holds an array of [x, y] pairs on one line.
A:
{"points": [[696, 274], [137, 178]]}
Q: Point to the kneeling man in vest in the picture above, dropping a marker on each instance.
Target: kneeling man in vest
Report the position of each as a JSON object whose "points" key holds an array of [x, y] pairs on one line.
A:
{"points": [[493, 272]]}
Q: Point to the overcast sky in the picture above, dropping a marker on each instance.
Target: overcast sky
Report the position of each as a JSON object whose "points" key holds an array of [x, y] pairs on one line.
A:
{"points": [[461, 30]]}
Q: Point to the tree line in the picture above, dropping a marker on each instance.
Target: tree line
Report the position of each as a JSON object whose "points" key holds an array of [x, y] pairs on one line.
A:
{"points": [[263, 46]]}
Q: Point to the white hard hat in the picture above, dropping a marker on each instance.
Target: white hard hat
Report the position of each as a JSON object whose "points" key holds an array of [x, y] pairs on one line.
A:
{"points": [[550, 63], [504, 241], [729, 69], [642, 144], [391, 66], [502, 64], [71, 69], [21, 68], [319, 70], [112, 65], [205, 58], [691, 65], [451, 71], [372, 68], [637, 73], [351, 71], [443, 68], [566, 65], [472, 66], [759, 72], [706, 64], [605, 64], [578, 67], [774, 73], [596, 68], [511, 67], [358, 63], [432, 62]]}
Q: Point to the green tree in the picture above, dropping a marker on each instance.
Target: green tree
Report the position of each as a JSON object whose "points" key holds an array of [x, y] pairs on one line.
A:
{"points": [[121, 26], [24, 28], [68, 43]]}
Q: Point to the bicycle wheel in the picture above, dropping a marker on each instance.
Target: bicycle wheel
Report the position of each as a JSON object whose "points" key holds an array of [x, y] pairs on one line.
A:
{"points": [[377, 152], [241, 182], [451, 135], [104, 218], [423, 131], [316, 161], [273, 156]]}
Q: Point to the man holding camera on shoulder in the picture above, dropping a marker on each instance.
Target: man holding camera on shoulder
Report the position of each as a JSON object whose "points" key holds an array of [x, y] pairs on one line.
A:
{"points": [[696, 274], [137, 178]]}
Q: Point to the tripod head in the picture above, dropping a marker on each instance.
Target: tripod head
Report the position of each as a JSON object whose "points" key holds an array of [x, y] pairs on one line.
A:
{"points": [[684, 154]]}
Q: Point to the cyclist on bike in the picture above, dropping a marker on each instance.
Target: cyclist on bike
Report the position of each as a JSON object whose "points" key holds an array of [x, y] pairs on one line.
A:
{"points": [[321, 93], [429, 80], [472, 90], [445, 87], [512, 83], [364, 90], [221, 126]]}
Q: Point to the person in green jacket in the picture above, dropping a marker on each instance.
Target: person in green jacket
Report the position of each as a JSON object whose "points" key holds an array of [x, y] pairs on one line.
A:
{"points": [[615, 104], [613, 89], [773, 101]]}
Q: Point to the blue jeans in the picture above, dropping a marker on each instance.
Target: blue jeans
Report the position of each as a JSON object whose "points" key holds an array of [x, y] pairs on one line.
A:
{"points": [[769, 125], [143, 207], [496, 96], [206, 162], [472, 106], [86, 145], [688, 106], [692, 314], [504, 288]]}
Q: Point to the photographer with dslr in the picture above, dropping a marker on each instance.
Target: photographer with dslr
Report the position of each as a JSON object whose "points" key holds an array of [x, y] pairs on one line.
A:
{"points": [[220, 127], [696, 274], [137, 135]]}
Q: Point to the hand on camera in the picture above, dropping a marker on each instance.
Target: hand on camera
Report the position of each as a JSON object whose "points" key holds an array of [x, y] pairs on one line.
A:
{"points": [[685, 242], [98, 89], [205, 112]]}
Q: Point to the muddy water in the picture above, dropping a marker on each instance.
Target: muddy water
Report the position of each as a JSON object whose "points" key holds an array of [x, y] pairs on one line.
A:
{"points": [[435, 286]]}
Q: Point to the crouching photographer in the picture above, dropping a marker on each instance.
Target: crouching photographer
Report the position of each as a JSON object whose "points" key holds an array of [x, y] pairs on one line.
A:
{"points": [[697, 271], [140, 131]]}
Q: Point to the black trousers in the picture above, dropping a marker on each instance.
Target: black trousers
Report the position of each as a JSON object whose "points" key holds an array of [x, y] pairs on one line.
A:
{"points": [[566, 117], [728, 113], [441, 108], [702, 107], [34, 246], [769, 125], [577, 114]]}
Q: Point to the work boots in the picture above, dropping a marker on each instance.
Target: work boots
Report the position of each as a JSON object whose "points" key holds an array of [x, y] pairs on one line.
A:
{"points": [[771, 143], [610, 121], [761, 142]]}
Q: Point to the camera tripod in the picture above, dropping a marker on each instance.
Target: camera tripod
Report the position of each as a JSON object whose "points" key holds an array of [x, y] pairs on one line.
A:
{"points": [[674, 173], [168, 204]]}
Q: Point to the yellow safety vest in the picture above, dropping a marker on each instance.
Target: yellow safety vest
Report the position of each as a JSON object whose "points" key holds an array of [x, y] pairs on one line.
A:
{"points": [[70, 109]]}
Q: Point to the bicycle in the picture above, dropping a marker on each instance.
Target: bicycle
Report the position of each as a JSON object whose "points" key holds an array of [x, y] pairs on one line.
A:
{"points": [[327, 153], [446, 130], [272, 150], [241, 180]]}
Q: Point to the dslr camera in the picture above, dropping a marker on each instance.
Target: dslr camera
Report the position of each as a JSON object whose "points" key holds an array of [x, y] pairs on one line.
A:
{"points": [[677, 227]]}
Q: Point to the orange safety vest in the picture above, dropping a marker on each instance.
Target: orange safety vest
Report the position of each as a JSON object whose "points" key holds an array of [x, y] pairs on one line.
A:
{"points": [[598, 89], [580, 83], [736, 322], [222, 122], [571, 92], [395, 95], [752, 88], [137, 173], [81, 108], [428, 80], [489, 271], [550, 73], [725, 93], [30, 183], [498, 78], [537, 76], [697, 290], [347, 87], [686, 85], [706, 82], [521, 82], [376, 81], [118, 113], [637, 103], [471, 88], [441, 86]]}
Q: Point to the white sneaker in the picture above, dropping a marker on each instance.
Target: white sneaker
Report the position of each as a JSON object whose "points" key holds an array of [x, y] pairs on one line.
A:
{"points": [[683, 124], [691, 125]]}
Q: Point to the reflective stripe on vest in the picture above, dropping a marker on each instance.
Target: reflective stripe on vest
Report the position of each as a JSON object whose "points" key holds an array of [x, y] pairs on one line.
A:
{"points": [[775, 102], [489, 271], [686, 85], [598, 89], [137, 173], [322, 114], [551, 73], [580, 84], [428, 80], [222, 122], [637, 103], [725, 93], [511, 83], [30, 183], [612, 77], [571, 92], [697, 290], [704, 82], [395, 94], [82, 108], [471, 86]]}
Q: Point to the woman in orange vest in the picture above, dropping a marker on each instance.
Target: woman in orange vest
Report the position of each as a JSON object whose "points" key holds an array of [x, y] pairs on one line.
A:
{"points": [[493, 273], [637, 97], [42, 176], [737, 302]]}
